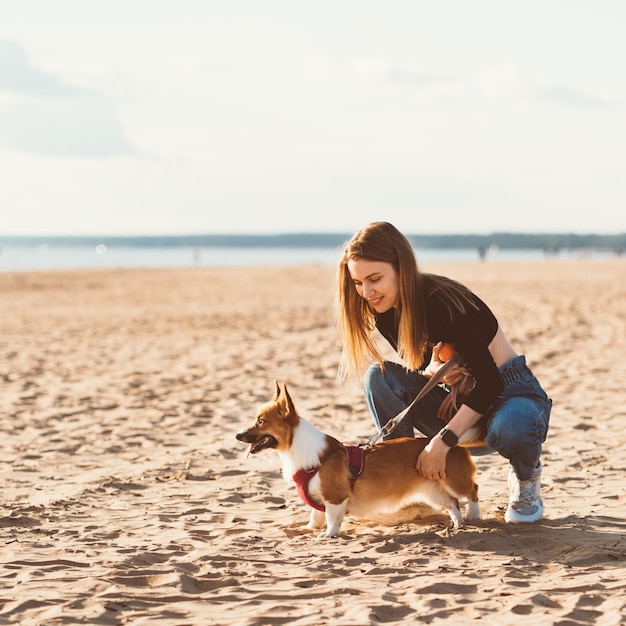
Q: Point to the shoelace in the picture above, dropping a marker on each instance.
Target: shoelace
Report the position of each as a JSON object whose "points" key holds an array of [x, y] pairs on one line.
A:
{"points": [[527, 491]]}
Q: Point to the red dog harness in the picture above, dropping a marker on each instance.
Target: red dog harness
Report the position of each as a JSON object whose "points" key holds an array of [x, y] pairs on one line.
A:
{"points": [[355, 459]]}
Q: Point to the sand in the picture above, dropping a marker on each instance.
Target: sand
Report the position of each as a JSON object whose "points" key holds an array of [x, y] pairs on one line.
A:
{"points": [[126, 498]]}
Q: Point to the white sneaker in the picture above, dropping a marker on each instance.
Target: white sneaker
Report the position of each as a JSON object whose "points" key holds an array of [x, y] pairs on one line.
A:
{"points": [[525, 503]]}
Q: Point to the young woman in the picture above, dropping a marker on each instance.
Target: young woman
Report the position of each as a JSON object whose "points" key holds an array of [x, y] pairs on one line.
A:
{"points": [[380, 287]]}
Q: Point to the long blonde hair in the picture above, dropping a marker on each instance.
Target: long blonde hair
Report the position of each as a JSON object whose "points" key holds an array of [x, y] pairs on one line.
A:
{"points": [[356, 321]]}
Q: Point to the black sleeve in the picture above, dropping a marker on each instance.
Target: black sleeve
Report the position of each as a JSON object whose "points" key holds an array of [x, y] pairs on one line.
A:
{"points": [[470, 333], [474, 352]]}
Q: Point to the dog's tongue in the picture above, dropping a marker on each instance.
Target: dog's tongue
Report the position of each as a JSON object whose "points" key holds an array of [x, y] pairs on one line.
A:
{"points": [[249, 451]]}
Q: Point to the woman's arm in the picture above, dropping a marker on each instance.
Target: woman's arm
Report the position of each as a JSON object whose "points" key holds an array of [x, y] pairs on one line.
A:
{"points": [[432, 461]]}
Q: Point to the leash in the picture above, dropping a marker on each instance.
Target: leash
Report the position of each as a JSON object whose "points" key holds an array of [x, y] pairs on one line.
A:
{"points": [[432, 382]]}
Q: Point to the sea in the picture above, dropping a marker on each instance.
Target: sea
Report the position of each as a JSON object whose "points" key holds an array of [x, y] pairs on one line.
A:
{"points": [[47, 257]]}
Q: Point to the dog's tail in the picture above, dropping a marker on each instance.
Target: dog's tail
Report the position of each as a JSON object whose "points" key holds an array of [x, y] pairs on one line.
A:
{"points": [[474, 437]]}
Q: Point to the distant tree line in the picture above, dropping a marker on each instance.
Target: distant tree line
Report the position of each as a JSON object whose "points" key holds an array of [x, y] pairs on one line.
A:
{"points": [[521, 241], [511, 241]]}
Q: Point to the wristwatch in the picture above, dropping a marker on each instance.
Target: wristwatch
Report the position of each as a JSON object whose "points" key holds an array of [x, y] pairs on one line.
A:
{"points": [[448, 437]]}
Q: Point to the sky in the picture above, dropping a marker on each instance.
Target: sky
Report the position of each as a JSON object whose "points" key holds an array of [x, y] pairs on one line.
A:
{"points": [[146, 117]]}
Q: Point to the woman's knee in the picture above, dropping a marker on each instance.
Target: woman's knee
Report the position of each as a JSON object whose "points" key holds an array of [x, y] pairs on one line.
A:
{"points": [[517, 424], [373, 377]]}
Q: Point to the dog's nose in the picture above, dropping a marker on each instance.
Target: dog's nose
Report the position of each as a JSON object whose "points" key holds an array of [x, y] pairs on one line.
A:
{"points": [[239, 436]]}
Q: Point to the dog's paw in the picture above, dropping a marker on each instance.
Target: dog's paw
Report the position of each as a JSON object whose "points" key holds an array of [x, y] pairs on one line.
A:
{"points": [[455, 517], [329, 533], [315, 525], [296, 530], [473, 511], [317, 520]]}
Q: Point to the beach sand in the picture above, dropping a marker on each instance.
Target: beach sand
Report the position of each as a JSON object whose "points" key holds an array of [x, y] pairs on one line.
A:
{"points": [[126, 498]]}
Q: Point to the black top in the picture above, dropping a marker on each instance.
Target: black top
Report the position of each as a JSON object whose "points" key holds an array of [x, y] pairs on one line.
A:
{"points": [[470, 333]]}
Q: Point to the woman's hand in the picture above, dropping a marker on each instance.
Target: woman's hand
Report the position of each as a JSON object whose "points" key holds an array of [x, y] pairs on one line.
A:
{"points": [[442, 353], [431, 463], [435, 362]]}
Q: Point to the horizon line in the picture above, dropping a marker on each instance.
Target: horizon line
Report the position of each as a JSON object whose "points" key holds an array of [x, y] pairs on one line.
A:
{"points": [[318, 234]]}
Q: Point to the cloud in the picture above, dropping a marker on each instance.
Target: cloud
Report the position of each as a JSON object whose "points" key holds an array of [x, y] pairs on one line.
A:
{"points": [[570, 95], [87, 125], [435, 86], [505, 83], [17, 75], [511, 83], [47, 116], [317, 69], [376, 72]]}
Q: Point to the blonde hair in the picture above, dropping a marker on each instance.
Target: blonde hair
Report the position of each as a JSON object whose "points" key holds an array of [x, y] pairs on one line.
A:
{"points": [[356, 321]]}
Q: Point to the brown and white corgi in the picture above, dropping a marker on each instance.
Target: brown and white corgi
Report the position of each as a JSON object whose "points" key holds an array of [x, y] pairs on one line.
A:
{"points": [[382, 481]]}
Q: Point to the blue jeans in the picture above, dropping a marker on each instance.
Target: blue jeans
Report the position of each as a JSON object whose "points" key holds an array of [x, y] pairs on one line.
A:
{"points": [[516, 423]]}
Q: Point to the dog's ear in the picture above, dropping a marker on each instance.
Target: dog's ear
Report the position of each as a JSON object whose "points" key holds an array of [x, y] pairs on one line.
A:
{"points": [[283, 400], [276, 391], [291, 409]]}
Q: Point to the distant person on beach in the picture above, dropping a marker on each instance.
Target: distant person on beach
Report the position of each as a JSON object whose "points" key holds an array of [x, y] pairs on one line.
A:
{"points": [[381, 287]]}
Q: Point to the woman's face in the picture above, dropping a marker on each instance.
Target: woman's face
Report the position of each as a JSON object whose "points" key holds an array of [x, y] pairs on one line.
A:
{"points": [[376, 281]]}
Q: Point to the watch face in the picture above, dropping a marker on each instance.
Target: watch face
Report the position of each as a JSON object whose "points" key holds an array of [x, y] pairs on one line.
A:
{"points": [[449, 438]]}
